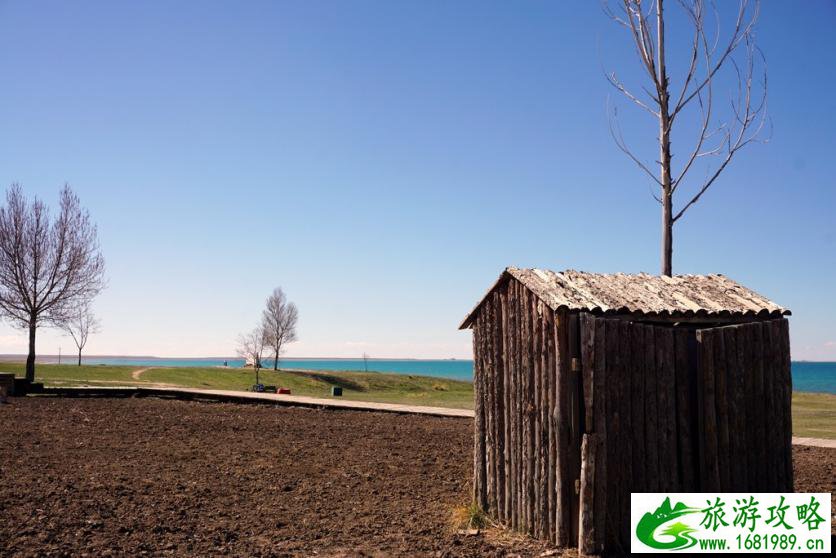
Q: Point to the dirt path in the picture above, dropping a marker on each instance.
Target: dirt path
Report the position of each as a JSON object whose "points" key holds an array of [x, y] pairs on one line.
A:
{"points": [[138, 372], [818, 442]]}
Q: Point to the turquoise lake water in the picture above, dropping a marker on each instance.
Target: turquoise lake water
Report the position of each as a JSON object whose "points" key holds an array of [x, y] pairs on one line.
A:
{"points": [[454, 369], [806, 376]]}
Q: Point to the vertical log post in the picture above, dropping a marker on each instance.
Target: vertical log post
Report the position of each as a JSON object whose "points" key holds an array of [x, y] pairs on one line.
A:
{"points": [[638, 409], [506, 333], [563, 484], [599, 403], [551, 375], [575, 410], [761, 415], [786, 403], [589, 540], [651, 446], [709, 469], [684, 414], [479, 488]]}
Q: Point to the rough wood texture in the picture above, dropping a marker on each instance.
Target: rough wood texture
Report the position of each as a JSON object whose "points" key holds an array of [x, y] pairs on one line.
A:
{"points": [[710, 466], [769, 383], [505, 512], [624, 473], [760, 416], [651, 447], [684, 411], [786, 402], [722, 380], [614, 434], [551, 375], [638, 410], [575, 431], [589, 542], [666, 417], [599, 403], [479, 486], [563, 485]]}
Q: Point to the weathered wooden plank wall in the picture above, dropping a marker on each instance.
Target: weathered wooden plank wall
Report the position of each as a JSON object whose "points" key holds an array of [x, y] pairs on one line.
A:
{"points": [[642, 408], [679, 410], [527, 415], [749, 365]]}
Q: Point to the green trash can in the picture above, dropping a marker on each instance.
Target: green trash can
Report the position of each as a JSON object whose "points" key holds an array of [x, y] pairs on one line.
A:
{"points": [[336, 391]]}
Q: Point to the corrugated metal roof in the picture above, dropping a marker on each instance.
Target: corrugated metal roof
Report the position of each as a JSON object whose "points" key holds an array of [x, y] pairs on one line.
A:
{"points": [[651, 295]]}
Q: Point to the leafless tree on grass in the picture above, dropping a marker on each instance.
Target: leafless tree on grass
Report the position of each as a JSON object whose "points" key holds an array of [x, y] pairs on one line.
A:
{"points": [[47, 267], [279, 323], [80, 325], [717, 140], [251, 348]]}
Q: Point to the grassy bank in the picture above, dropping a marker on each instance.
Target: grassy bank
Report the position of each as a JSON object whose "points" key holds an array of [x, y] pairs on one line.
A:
{"points": [[814, 414], [371, 386]]}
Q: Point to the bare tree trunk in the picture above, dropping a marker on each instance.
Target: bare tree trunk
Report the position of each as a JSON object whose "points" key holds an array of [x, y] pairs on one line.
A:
{"points": [[30, 359], [79, 357], [720, 139], [664, 147], [276, 360], [667, 234]]}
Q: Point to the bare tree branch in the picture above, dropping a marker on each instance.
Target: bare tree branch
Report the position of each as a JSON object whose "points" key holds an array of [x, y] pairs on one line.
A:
{"points": [[620, 86], [615, 132], [742, 30], [251, 346], [47, 268], [80, 325], [715, 138], [746, 115], [279, 323]]}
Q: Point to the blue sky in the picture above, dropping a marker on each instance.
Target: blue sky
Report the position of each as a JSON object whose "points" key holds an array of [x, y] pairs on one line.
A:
{"points": [[383, 161]]}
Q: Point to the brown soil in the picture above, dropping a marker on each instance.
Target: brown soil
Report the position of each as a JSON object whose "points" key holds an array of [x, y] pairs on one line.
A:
{"points": [[133, 476], [815, 471], [148, 476]]}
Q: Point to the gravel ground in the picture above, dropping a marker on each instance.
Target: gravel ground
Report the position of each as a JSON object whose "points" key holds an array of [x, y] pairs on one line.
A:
{"points": [[161, 477]]}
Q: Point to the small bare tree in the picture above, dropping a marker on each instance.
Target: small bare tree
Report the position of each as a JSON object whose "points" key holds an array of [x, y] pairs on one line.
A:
{"points": [[47, 267], [80, 325], [717, 139], [251, 347], [279, 323]]}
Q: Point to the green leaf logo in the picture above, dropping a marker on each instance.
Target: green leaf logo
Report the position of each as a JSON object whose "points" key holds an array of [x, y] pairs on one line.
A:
{"points": [[681, 533]]}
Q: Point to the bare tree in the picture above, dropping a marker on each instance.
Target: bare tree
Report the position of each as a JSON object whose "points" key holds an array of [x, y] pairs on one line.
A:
{"points": [[251, 347], [47, 267], [279, 323], [717, 140], [81, 323]]}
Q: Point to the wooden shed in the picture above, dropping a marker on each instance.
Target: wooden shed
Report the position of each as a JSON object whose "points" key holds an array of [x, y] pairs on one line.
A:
{"points": [[592, 386]]}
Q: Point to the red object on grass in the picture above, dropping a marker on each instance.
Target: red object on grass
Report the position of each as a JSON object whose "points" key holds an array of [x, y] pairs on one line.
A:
{"points": [[284, 391]]}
